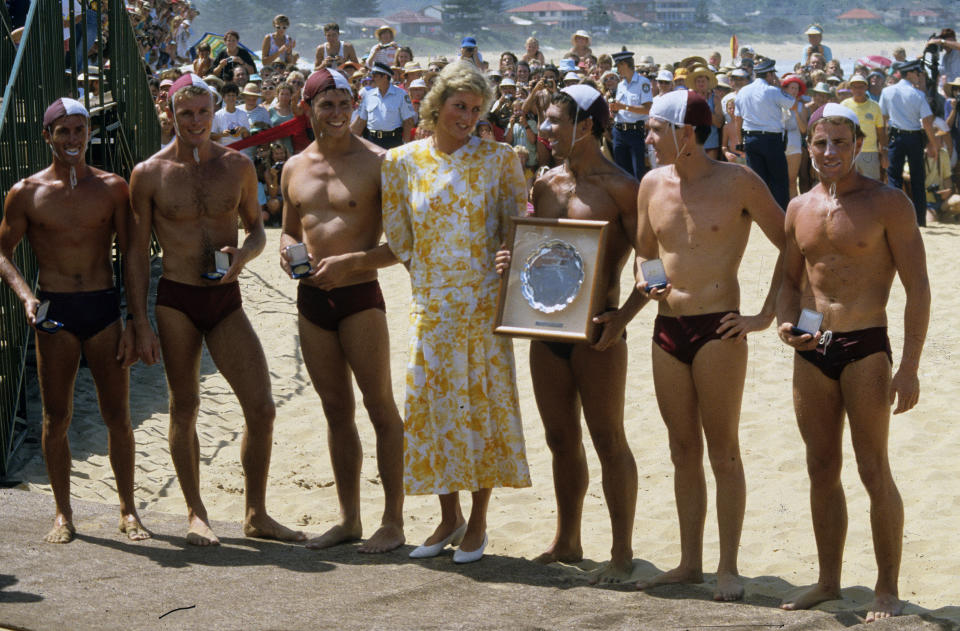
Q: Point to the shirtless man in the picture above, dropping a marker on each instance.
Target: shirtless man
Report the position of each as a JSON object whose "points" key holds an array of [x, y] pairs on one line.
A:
{"points": [[191, 193], [331, 194], [567, 376], [69, 212], [696, 214], [849, 236]]}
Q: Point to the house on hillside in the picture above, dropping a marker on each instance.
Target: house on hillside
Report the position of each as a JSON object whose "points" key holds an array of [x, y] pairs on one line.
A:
{"points": [[675, 14], [433, 11], [643, 10], [363, 27], [664, 14], [923, 16], [414, 22], [858, 16], [621, 21], [562, 15]]}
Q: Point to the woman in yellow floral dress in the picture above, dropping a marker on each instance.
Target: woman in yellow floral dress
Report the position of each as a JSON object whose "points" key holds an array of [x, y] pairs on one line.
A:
{"points": [[446, 203]]}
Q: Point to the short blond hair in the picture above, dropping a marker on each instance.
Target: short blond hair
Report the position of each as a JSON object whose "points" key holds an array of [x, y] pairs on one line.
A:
{"points": [[460, 76]]}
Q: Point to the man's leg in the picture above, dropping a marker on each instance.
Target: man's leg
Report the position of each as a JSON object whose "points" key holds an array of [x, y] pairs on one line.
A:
{"points": [[777, 169], [865, 385], [330, 374], [601, 377], [819, 407], [58, 357], [113, 394], [621, 154], [181, 343], [896, 155], [756, 159], [719, 371], [559, 405], [677, 399], [236, 351], [366, 344], [918, 178]]}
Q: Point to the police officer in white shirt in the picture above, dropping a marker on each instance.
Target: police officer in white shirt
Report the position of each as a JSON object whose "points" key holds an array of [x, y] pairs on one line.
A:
{"points": [[759, 108], [386, 115], [631, 106], [910, 127]]}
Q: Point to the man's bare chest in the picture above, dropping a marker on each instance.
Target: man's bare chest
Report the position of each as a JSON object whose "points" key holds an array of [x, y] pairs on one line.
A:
{"points": [[350, 193], [697, 222], [73, 212], [197, 194], [572, 200]]}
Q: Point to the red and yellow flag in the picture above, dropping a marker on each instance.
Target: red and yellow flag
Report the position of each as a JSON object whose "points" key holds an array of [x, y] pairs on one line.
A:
{"points": [[734, 48]]}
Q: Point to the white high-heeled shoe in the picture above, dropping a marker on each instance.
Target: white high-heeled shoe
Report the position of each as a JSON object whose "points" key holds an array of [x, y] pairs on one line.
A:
{"points": [[426, 552], [474, 555]]}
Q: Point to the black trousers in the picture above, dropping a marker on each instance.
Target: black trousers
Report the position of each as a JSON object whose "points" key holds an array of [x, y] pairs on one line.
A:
{"points": [[766, 156], [909, 147]]}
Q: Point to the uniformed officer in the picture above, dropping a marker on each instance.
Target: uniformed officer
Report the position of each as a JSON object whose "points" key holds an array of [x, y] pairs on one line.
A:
{"points": [[632, 104], [385, 116], [907, 114], [760, 106]]}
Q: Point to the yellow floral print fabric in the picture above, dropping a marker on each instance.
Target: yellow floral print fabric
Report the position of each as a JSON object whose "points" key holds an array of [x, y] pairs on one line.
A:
{"points": [[445, 216]]}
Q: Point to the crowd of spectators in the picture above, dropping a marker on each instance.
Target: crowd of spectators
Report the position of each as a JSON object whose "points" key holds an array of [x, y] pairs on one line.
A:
{"points": [[257, 98]]}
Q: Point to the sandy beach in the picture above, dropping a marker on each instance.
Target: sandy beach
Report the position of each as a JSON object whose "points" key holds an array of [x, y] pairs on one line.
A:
{"points": [[778, 553]]}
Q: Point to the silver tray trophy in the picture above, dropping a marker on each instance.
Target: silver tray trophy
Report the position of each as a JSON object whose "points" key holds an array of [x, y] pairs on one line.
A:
{"points": [[552, 276], [556, 283]]}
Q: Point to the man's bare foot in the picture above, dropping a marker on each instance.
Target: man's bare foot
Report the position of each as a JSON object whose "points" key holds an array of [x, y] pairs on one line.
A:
{"points": [[560, 553], [612, 572], [130, 524], [200, 533], [884, 606], [388, 537], [62, 531], [729, 587], [674, 576], [264, 526], [335, 536], [813, 596]]}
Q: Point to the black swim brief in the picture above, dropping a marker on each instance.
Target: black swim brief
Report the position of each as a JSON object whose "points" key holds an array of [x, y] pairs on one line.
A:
{"points": [[327, 309], [564, 350], [205, 305], [684, 336], [83, 313], [846, 348]]}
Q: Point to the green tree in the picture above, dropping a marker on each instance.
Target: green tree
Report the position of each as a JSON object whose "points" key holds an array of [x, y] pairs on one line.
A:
{"points": [[702, 15], [340, 10], [462, 16], [597, 15]]}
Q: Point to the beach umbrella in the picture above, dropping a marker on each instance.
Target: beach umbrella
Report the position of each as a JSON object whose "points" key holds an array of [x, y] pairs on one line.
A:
{"points": [[875, 61]]}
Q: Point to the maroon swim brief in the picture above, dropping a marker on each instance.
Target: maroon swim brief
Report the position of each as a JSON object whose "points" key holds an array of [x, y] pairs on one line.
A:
{"points": [[846, 348], [327, 309], [205, 305], [684, 336]]}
